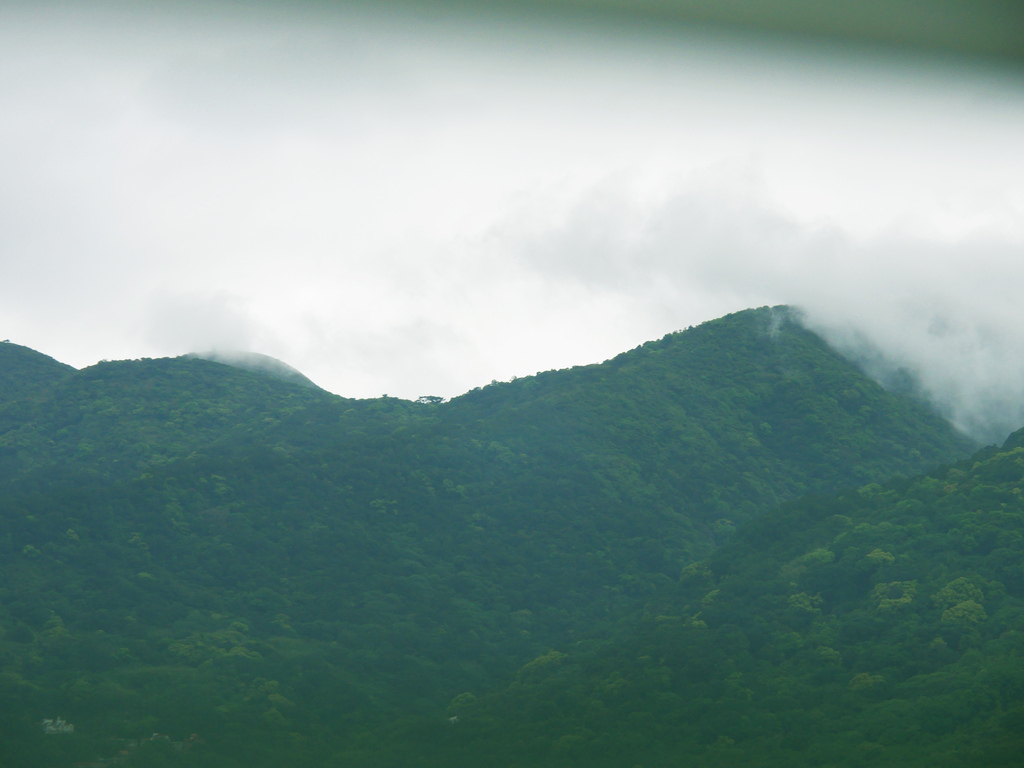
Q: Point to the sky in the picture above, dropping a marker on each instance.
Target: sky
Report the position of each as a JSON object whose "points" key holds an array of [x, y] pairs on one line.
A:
{"points": [[412, 200]]}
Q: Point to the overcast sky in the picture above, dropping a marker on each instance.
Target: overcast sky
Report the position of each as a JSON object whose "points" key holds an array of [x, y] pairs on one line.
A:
{"points": [[412, 202]]}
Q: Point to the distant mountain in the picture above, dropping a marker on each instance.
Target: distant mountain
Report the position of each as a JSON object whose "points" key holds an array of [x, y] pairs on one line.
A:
{"points": [[195, 548]]}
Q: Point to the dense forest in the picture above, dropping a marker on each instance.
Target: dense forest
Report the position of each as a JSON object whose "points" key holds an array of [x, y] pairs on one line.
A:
{"points": [[881, 626], [651, 560]]}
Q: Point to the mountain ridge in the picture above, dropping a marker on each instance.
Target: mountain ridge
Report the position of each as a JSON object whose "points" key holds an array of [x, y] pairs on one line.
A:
{"points": [[193, 546], [22, 370]]}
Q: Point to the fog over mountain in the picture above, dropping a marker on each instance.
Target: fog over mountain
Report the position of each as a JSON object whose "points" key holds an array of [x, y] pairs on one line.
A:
{"points": [[419, 198], [940, 314]]}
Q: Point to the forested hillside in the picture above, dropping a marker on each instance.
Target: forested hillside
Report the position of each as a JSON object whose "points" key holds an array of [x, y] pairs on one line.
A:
{"points": [[882, 626], [23, 371], [192, 548]]}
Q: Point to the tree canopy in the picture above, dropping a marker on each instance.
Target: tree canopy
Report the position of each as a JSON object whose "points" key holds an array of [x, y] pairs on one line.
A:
{"points": [[296, 577]]}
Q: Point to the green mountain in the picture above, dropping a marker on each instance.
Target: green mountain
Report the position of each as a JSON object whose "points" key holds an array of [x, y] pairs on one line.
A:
{"points": [[882, 626], [117, 419], [190, 547], [23, 371]]}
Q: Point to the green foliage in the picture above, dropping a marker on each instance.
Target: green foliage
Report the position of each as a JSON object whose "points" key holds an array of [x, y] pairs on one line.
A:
{"points": [[814, 645], [24, 371], [298, 578]]}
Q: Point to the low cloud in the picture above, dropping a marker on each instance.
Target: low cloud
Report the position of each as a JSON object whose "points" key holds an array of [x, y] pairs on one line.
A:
{"points": [[943, 312], [195, 322]]}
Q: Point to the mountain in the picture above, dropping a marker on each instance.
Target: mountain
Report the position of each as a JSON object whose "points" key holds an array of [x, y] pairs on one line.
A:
{"points": [[881, 626], [724, 420], [190, 547], [265, 364], [117, 418], [23, 371]]}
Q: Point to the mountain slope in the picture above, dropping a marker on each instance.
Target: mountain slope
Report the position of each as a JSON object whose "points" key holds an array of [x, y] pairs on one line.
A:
{"points": [[257, 363], [190, 547], [118, 418], [23, 371], [883, 626], [721, 421]]}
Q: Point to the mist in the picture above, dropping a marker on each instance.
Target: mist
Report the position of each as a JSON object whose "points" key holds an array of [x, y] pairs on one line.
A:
{"points": [[939, 315], [419, 199]]}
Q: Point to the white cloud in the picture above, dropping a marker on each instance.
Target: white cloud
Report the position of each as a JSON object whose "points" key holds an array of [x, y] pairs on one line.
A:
{"points": [[203, 322], [946, 311]]}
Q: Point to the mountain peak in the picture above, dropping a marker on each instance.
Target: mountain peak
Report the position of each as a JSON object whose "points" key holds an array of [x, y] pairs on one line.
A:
{"points": [[23, 370], [264, 365]]}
